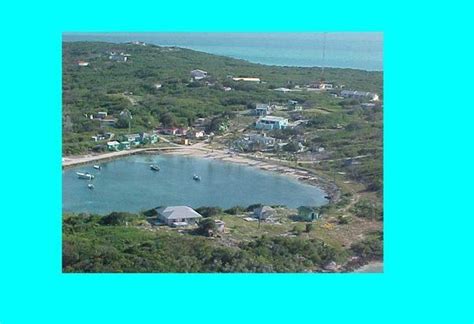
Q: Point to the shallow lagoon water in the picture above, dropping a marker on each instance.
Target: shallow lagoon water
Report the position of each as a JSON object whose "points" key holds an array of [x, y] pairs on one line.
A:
{"points": [[128, 184]]}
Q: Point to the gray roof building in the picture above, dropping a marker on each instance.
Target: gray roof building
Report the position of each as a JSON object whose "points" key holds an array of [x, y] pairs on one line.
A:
{"points": [[177, 215]]}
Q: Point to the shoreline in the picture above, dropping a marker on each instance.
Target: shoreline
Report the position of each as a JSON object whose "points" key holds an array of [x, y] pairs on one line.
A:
{"points": [[198, 151], [370, 267]]}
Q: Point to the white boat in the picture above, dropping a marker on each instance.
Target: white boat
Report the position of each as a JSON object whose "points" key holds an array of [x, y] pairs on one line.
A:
{"points": [[90, 186], [97, 167], [196, 177], [85, 175]]}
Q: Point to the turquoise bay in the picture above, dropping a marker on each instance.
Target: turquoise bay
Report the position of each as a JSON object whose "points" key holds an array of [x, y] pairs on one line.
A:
{"points": [[128, 184]]}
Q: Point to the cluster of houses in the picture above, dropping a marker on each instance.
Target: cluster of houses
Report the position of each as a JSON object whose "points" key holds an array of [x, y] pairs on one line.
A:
{"points": [[184, 133], [359, 95], [255, 142], [128, 141], [118, 57], [180, 216]]}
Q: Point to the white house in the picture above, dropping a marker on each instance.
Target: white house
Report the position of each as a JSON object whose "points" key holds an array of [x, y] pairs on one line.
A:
{"points": [[198, 74], [247, 79], [177, 215], [271, 122]]}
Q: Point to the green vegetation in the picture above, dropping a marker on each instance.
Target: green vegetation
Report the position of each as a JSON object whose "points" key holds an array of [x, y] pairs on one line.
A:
{"points": [[89, 246], [337, 139], [367, 209], [371, 248]]}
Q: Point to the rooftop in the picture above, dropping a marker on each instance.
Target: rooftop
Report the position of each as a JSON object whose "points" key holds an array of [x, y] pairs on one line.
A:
{"points": [[273, 118], [178, 212]]}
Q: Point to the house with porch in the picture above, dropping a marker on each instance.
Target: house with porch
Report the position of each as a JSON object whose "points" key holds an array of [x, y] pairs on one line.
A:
{"points": [[177, 216]]}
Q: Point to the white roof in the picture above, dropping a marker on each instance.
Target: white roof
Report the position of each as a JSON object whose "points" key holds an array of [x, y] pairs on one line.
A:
{"points": [[178, 212], [246, 79], [113, 143], [273, 118], [199, 71]]}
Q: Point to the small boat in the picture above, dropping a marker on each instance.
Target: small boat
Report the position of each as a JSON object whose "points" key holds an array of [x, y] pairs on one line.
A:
{"points": [[154, 167], [196, 177], [328, 197], [85, 175], [97, 167], [90, 186]]}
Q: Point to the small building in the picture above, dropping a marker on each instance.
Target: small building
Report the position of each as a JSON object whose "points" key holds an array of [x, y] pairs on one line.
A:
{"points": [[198, 74], [271, 123], [227, 89], [146, 138], [177, 215], [196, 134], [262, 109], [133, 139], [367, 105], [220, 225], [113, 146], [246, 79], [124, 145], [83, 63], [264, 212], [185, 141], [322, 86], [308, 213]]}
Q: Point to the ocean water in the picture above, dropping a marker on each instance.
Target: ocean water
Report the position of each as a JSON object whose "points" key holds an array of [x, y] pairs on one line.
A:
{"points": [[343, 49], [128, 184]]}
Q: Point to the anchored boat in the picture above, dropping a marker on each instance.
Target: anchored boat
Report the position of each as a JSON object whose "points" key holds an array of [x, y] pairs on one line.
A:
{"points": [[154, 167], [196, 177], [97, 167], [85, 175], [90, 186]]}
